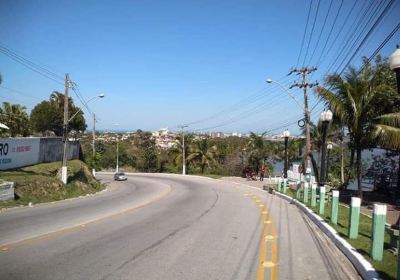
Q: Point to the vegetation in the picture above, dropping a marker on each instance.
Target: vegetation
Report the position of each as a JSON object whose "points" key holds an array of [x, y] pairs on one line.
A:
{"points": [[358, 100], [40, 183], [16, 118], [48, 116]]}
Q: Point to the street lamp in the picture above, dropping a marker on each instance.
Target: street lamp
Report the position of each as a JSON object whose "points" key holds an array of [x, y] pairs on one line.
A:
{"points": [[286, 135], [269, 81], [325, 118], [394, 63], [307, 124], [64, 171], [329, 147], [183, 150], [117, 167]]}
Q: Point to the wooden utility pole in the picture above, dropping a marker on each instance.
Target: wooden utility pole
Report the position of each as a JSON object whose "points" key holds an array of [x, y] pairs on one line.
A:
{"points": [[304, 85], [64, 170]]}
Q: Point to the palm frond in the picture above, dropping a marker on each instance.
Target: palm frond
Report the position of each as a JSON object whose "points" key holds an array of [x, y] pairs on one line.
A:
{"points": [[387, 136]]}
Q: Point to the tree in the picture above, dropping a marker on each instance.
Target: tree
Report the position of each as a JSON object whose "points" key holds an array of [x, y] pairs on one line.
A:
{"points": [[49, 115], [146, 159], [357, 100], [16, 118], [202, 153]]}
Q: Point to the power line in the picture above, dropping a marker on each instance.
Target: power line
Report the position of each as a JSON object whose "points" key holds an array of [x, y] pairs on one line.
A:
{"points": [[384, 12], [31, 65], [305, 32], [312, 31], [20, 92], [322, 29], [331, 30]]}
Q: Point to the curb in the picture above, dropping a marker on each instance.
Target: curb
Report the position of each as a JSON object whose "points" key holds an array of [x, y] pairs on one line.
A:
{"points": [[366, 270]]}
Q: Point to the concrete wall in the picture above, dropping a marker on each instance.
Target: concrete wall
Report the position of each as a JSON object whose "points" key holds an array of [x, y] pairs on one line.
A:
{"points": [[51, 149], [20, 152]]}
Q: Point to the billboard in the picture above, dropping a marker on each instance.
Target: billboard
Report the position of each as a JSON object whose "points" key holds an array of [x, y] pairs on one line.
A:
{"points": [[18, 152]]}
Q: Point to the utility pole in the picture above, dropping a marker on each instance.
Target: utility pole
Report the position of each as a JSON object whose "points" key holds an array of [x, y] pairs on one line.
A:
{"points": [[183, 150], [93, 143], [304, 85], [64, 171]]}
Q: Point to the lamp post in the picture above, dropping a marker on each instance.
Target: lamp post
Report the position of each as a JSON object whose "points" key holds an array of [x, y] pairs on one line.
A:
{"points": [[64, 171], [183, 150], [286, 135], [329, 147], [394, 63], [326, 117], [117, 167]]}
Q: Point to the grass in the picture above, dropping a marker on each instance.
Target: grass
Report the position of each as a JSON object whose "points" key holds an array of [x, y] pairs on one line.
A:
{"points": [[387, 267], [40, 183]]}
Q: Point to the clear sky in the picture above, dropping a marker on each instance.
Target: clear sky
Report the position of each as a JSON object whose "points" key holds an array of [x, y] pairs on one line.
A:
{"points": [[165, 63]]}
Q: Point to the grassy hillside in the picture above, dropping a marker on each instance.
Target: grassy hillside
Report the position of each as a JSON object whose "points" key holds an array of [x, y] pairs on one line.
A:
{"points": [[41, 183]]}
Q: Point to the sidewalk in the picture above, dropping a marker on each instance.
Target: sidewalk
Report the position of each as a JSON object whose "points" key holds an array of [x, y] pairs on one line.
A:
{"points": [[391, 217]]}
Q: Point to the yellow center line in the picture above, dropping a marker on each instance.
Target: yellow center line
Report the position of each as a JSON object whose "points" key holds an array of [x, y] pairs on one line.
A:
{"points": [[269, 243]]}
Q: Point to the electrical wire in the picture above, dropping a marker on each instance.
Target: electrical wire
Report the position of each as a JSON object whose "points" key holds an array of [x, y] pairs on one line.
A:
{"points": [[304, 34], [322, 29], [312, 31], [31, 65]]}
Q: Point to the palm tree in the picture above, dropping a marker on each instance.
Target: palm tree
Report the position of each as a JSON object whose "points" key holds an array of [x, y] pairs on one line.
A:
{"points": [[256, 147], [356, 100], [16, 118], [202, 153]]}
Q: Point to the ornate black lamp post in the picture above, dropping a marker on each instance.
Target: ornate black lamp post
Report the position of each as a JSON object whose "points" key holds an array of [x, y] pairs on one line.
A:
{"points": [[326, 117], [286, 135]]}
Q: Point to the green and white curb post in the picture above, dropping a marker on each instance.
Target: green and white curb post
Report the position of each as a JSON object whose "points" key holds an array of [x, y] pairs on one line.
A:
{"points": [[322, 200], [285, 185], [335, 207], [313, 195], [278, 187], [305, 196], [378, 231], [354, 217]]}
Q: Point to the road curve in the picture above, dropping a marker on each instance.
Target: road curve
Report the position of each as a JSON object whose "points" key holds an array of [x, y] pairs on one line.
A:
{"points": [[163, 227], [201, 229]]}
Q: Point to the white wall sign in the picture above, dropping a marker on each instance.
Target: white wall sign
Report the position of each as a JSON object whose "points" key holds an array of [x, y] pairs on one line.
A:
{"points": [[17, 152]]}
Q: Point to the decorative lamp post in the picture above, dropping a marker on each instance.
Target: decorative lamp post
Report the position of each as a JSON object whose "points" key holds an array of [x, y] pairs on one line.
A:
{"points": [[394, 63], [325, 118], [329, 147], [286, 135]]}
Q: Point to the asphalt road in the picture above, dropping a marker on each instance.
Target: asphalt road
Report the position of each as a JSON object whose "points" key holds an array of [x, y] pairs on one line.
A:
{"points": [[166, 227]]}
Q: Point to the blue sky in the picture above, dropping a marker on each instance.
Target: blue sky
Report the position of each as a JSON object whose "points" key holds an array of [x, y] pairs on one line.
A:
{"points": [[165, 63]]}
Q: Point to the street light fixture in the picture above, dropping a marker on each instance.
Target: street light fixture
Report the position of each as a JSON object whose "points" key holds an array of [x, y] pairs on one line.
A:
{"points": [[325, 118], [394, 63], [306, 123], [269, 81], [286, 135], [64, 170]]}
